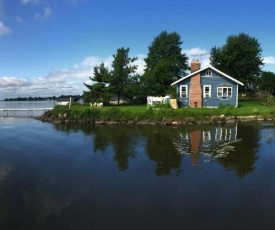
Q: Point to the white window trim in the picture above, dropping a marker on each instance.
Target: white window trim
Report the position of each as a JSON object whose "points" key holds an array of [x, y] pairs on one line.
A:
{"points": [[186, 88], [204, 94], [208, 71], [225, 87], [206, 136]]}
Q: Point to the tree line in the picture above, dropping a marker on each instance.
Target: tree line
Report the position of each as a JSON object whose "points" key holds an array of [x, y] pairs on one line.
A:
{"points": [[240, 57], [53, 98]]}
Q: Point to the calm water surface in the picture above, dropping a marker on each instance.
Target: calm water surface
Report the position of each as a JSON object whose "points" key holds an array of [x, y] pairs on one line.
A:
{"points": [[99, 177]]}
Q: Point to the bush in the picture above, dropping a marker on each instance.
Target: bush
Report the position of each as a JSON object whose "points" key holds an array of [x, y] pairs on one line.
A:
{"points": [[91, 114], [271, 100], [111, 114], [60, 109], [141, 113], [161, 106]]}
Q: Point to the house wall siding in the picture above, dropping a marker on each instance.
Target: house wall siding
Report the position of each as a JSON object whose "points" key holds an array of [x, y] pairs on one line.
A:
{"points": [[184, 101], [214, 81]]}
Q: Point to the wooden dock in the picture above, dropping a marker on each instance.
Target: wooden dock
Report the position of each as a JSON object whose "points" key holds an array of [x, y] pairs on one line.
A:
{"points": [[30, 112]]}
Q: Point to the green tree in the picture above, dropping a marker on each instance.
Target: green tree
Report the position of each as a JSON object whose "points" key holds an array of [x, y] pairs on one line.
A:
{"points": [[122, 72], [266, 82], [134, 90], [165, 64], [97, 91], [240, 58]]}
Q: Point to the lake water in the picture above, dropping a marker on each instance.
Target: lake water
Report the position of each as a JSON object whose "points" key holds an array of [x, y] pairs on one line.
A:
{"points": [[120, 177], [24, 105]]}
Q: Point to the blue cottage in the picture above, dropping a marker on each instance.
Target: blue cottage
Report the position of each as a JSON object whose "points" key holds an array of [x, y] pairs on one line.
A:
{"points": [[207, 87]]}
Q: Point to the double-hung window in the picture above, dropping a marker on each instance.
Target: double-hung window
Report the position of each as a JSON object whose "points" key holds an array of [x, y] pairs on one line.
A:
{"points": [[224, 91], [207, 91], [183, 91]]}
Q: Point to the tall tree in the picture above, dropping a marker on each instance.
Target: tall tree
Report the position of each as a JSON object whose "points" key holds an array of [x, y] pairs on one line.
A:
{"points": [[121, 73], [241, 58], [165, 63], [98, 89], [134, 90], [267, 81]]}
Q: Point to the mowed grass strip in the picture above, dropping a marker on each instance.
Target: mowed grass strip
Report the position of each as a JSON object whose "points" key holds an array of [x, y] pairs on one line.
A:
{"points": [[142, 112]]}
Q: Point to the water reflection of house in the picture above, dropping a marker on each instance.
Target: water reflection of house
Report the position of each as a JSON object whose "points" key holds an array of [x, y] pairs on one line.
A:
{"points": [[213, 143]]}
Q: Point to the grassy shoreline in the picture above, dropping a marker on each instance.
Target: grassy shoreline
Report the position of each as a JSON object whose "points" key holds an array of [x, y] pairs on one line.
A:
{"points": [[248, 110]]}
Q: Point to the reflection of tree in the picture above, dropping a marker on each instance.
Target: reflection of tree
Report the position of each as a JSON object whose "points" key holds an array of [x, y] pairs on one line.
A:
{"points": [[100, 142], [233, 147], [159, 144], [161, 150], [124, 147], [242, 160], [120, 138]]}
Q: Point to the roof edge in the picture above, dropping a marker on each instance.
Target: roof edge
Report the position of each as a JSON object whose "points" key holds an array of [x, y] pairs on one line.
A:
{"points": [[206, 67]]}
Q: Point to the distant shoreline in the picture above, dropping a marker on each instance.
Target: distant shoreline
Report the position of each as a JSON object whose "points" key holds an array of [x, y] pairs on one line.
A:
{"points": [[50, 98], [26, 100]]}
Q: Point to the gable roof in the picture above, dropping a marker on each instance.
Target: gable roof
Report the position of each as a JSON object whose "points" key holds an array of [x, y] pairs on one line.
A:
{"points": [[208, 67]]}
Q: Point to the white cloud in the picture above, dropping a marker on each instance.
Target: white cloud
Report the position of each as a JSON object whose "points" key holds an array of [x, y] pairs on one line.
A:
{"points": [[96, 61], [12, 81], [43, 5], [4, 30], [52, 85], [195, 52], [140, 64], [198, 53], [47, 12], [56, 83], [70, 81], [269, 60]]}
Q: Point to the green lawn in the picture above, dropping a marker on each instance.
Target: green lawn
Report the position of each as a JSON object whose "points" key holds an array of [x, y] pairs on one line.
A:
{"points": [[141, 112], [132, 108], [245, 108], [254, 107]]}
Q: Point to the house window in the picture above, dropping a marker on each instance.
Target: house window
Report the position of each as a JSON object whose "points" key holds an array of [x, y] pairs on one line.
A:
{"points": [[207, 91], [183, 91], [208, 72], [206, 136], [224, 91]]}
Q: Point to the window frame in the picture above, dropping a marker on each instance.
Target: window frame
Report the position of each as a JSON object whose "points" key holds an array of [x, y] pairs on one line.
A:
{"points": [[186, 91], [208, 73], [209, 93], [226, 90]]}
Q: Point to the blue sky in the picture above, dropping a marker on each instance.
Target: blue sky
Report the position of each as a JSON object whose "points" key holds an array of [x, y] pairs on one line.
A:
{"points": [[49, 47]]}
